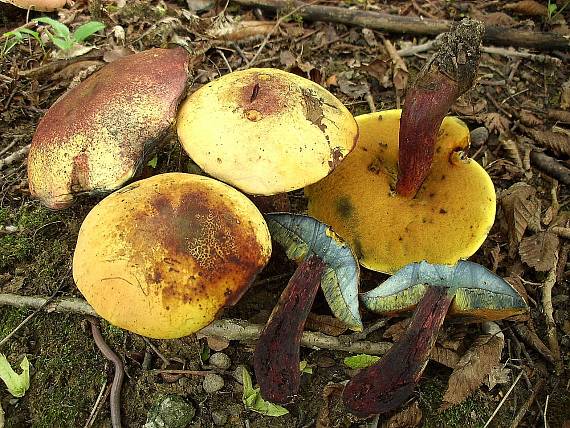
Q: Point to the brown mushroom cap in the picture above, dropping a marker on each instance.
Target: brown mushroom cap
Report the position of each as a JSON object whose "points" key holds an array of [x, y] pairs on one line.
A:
{"points": [[95, 138], [265, 131], [162, 256], [446, 221]]}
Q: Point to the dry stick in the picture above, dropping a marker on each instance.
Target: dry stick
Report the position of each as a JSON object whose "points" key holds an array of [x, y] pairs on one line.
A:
{"points": [[526, 405], [503, 400], [550, 166], [411, 25], [549, 314], [564, 232], [227, 328], [14, 157], [115, 400], [93, 413]]}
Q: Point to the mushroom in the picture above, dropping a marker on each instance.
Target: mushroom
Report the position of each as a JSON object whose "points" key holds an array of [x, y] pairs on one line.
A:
{"points": [[467, 288], [99, 134], [163, 255], [448, 219], [323, 260], [265, 131], [41, 5]]}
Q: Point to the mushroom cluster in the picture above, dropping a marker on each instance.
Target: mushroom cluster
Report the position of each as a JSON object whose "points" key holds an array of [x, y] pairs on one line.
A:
{"points": [[162, 256]]}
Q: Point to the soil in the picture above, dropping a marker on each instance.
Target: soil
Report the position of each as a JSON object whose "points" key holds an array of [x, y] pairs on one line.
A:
{"points": [[513, 95]]}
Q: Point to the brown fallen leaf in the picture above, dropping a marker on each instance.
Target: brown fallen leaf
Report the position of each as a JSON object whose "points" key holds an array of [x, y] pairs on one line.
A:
{"points": [[558, 115], [380, 70], [475, 365], [332, 398], [399, 68], [497, 19], [557, 142], [498, 376], [325, 324], [521, 208], [444, 356], [409, 417], [468, 107], [529, 119], [496, 122], [527, 7], [511, 149], [396, 331], [539, 251]]}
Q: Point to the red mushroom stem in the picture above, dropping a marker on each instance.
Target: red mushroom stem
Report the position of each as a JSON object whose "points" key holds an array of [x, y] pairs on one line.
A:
{"points": [[446, 76], [276, 357], [387, 384]]}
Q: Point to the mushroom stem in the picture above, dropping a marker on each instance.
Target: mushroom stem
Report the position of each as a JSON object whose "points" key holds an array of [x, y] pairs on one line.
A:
{"points": [[276, 357], [387, 384], [445, 77]]}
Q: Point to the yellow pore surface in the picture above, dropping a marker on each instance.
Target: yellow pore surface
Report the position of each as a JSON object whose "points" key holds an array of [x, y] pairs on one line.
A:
{"points": [[162, 256], [448, 219], [265, 131]]}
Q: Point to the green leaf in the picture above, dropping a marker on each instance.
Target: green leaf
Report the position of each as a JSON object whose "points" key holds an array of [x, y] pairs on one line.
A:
{"points": [[361, 361], [305, 368], [253, 401], [62, 44], [17, 384], [552, 8], [302, 236], [60, 30], [153, 162], [86, 30]]}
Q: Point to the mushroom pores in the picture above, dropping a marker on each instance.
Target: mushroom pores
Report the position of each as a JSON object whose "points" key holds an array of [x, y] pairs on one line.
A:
{"points": [[98, 135], [448, 220], [265, 131], [163, 255]]}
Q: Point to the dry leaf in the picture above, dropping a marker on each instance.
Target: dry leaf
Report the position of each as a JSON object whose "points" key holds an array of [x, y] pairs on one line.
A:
{"points": [[447, 357], [521, 208], [529, 119], [557, 142], [379, 69], [497, 19], [496, 122], [512, 150], [565, 95], [74, 69], [325, 324], [540, 251], [331, 393], [396, 331], [528, 7], [472, 369], [352, 89], [400, 70], [287, 58], [369, 37], [239, 30], [559, 115], [467, 107], [409, 417]]}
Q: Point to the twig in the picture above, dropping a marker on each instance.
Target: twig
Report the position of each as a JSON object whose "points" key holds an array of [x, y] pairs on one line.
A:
{"points": [[115, 399], [93, 415], [545, 411], [412, 50], [228, 329], [550, 166], [531, 338], [14, 157], [9, 146], [526, 405], [503, 400], [165, 360], [411, 25], [549, 314], [564, 232], [518, 54]]}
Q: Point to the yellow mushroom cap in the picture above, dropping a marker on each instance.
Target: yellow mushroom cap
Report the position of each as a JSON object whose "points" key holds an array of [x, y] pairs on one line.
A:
{"points": [[96, 137], [163, 255], [265, 131], [448, 219]]}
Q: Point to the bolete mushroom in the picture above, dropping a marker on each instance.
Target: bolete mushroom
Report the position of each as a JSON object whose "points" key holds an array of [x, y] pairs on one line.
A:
{"points": [[448, 219], [265, 131], [480, 294], [163, 255], [323, 260], [99, 134]]}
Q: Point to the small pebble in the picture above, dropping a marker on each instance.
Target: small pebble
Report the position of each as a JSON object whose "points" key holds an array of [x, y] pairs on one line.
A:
{"points": [[220, 360], [212, 383], [172, 412], [238, 373], [479, 136], [219, 417]]}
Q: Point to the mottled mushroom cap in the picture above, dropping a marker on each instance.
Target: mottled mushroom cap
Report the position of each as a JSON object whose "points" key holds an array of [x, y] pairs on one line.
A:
{"points": [[265, 131], [96, 137], [41, 5], [448, 219], [163, 255]]}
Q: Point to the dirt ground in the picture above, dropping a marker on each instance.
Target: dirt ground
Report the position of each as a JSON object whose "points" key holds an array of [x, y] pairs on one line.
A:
{"points": [[522, 102]]}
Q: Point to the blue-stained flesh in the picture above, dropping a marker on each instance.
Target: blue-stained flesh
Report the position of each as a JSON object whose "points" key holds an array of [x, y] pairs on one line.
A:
{"points": [[302, 236]]}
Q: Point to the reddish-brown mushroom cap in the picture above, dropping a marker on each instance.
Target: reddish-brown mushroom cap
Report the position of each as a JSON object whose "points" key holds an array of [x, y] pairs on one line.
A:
{"points": [[96, 137]]}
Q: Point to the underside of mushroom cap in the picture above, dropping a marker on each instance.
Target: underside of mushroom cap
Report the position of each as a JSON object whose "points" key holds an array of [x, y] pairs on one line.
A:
{"points": [[96, 137], [265, 131], [163, 255], [448, 219]]}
